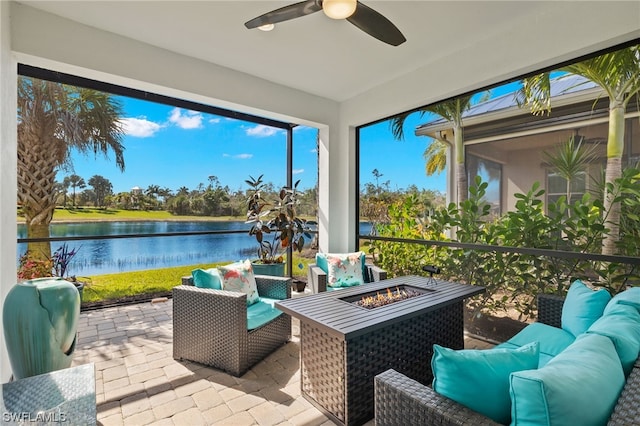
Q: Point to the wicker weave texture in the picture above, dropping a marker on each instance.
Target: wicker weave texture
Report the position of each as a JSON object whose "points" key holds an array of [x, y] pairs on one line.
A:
{"points": [[339, 375], [627, 410], [210, 327], [400, 400], [550, 309]]}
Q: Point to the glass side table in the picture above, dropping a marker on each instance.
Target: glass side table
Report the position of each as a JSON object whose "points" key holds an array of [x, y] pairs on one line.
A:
{"points": [[63, 397]]}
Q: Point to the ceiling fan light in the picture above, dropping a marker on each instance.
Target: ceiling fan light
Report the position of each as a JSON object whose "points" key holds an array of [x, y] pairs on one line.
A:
{"points": [[339, 9], [266, 27]]}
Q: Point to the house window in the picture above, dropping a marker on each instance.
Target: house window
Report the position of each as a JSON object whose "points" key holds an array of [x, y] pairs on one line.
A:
{"points": [[557, 187], [491, 173]]}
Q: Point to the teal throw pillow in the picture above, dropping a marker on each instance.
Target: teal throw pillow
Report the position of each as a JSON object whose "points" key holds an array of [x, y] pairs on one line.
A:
{"points": [[580, 386], [552, 340], [630, 297], [582, 307], [479, 379], [207, 278], [621, 324]]}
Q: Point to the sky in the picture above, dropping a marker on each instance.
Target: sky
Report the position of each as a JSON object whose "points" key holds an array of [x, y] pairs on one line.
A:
{"points": [[173, 147]]}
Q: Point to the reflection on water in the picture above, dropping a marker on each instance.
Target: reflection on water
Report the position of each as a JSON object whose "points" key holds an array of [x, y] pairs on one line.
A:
{"points": [[97, 257]]}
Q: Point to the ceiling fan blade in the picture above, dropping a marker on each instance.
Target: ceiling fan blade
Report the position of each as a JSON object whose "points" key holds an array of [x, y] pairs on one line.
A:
{"points": [[376, 25], [285, 13]]}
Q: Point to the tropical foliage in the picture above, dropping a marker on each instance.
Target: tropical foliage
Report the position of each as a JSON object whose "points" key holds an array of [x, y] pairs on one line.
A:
{"points": [[618, 74], [513, 279]]}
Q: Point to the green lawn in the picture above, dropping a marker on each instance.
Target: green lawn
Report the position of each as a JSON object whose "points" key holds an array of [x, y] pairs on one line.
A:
{"points": [[93, 214], [115, 286]]}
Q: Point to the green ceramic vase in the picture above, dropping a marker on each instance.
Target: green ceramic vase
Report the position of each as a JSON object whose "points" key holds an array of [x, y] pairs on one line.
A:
{"points": [[40, 319]]}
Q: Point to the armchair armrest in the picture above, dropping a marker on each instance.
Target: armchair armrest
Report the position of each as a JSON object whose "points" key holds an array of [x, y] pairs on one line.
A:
{"points": [[401, 400], [317, 278], [376, 273], [274, 287], [208, 323]]}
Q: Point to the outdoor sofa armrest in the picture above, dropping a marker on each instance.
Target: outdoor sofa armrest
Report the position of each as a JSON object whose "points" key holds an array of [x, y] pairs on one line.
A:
{"points": [[268, 286], [401, 400], [550, 309]]}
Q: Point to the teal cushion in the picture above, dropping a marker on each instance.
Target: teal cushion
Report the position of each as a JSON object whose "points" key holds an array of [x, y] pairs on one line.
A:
{"points": [[621, 324], [580, 386], [207, 278], [479, 379], [552, 340], [582, 307], [630, 296], [261, 312]]}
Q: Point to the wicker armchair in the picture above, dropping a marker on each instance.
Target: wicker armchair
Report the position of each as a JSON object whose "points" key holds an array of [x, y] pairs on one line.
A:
{"points": [[400, 400], [210, 326], [317, 278]]}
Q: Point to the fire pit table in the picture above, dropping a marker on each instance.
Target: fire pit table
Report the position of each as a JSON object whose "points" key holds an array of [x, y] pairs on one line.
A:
{"points": [[343, 346]]}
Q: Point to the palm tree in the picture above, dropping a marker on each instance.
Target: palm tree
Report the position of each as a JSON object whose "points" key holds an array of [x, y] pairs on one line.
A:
{"points": [[53, 119], [452, 111], [76, 181], [570, 159], [618, 74]]}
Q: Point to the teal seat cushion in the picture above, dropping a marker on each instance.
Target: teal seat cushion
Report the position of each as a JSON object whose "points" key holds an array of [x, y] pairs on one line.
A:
{"points": [[582, 307], [621, 324], [479, 379], [580, 386], [261, 312], [630, 296], [552, 340], [207, 278]]}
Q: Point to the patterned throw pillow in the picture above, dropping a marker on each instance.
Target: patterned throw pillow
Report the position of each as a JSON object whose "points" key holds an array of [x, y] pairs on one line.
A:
{"points": [[239, 277], [343, 269]]}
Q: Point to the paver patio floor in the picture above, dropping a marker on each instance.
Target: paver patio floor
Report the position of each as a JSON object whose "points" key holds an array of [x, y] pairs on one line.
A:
{"points": [[139, 383]]}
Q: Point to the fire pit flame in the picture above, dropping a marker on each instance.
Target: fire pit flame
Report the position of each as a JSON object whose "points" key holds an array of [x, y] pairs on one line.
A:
{"points": [[381, 299]]}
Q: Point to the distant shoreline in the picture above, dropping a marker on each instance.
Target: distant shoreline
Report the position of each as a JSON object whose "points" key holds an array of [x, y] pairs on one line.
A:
{"points": [[89, 215]]}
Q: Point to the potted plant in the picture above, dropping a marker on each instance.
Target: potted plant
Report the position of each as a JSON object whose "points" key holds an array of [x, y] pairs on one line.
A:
{"points": [[275, 226]]}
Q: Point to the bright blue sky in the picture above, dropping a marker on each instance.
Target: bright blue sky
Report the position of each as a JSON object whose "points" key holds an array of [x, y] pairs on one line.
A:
{"points": [[173, 147]]}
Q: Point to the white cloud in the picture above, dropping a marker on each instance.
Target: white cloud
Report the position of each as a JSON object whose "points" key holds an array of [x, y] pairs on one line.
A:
{"points": [[214, 120], [261, 131], [238, 156], [188, 120], [139, 127], [297, 171]]}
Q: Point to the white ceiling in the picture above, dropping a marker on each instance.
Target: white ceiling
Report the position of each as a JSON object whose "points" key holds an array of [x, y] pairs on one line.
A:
{"points": [[315, 54]]}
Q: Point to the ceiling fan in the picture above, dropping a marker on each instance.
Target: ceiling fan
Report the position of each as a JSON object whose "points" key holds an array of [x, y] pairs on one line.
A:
{"points": [[360, 15]]}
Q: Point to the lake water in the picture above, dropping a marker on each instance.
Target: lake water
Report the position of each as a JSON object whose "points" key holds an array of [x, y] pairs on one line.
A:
{"points": [[106, 256]]}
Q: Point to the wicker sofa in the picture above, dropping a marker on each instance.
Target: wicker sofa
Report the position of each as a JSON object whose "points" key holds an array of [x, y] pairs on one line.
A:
{"points": [[400, 400], [210, 326]]}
